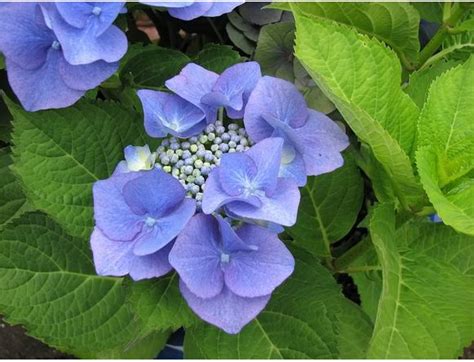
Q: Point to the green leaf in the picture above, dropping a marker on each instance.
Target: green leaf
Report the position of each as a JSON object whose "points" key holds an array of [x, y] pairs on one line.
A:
{"points": [[455, 206], [59, 154], [307, 317], [362, 78], [2, 62], [159, 303], [239, 39], [217, 58], [427, 295], [396, 24], [12, 199], [48, 284], [446, 122], [430, 11], [328, 209], [420, 81], [152, 66], [274, 50]]}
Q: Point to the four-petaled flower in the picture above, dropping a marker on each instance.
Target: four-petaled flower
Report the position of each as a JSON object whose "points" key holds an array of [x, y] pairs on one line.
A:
{"points": [[248, 186], [313, 142], [227, 276], [189, 10], [136, 222]]}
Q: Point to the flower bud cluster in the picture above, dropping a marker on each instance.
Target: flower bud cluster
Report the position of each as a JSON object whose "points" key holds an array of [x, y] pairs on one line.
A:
{"points": [[191, 160]]}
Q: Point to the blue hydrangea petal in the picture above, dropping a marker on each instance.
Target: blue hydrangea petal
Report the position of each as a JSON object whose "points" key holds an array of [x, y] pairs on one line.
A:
{"points": [[233, 87], [294, 169], [236, 172], [75, 14], [258, 272], [191, 84], [267, 156], [231, 242], [24, 40], [115, 258], [273, 102], [196, 257], [190, 12], [215, 197], [320, 141], [111, 213], [222, 7], [155, 193], [281, 208], [84, 46], [139, 158], [168, 4], [166, 228], [87, 76], [227, 310], [168, 113], [41, 88]]}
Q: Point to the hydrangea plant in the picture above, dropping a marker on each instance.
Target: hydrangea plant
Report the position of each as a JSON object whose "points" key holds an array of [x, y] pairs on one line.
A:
{"points": [[311, 200]]}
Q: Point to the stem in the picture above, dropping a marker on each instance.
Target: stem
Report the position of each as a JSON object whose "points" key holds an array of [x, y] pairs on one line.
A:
{"points": [[214, 28], [451, 16]]}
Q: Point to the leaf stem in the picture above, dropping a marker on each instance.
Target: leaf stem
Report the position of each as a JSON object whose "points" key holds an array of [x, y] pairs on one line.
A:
{"points": [[451, 16]]}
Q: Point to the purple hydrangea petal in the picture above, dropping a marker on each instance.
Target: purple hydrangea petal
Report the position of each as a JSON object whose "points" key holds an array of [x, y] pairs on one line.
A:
{"points": [[192, 11], [115, 258], [281, 208], [214, 196], [84, 46], [267, 156], [233, 87], [320, 141], [155, 193], [196, 257], [41, 88], [168, 113], [112, 214], [164, 229], [139, 158], [293, 166], [273, 101], [231, 242], [192, 83], [227, 310], [235, 172], [168, 4], [259, 272], [75, 14], [24, 40], [222, 7], [87, 76]]}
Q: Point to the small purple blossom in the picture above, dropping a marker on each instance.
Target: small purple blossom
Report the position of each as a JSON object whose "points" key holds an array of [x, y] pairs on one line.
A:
{"points": [[85, 30], [248, 186], [313, 142], [189, 10], [227, 276], [37, 69], [136, 220], [209, 91]]}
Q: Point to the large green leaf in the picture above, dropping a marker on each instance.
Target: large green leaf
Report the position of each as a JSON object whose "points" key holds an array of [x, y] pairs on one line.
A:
{"points": [[149, 67], [217, 58], [427, 298], [446, 122], [307, 317], [12, 198], [59, 154], [396, 24], [328, 209], [48, 284], [160, 304], [362, 78]]}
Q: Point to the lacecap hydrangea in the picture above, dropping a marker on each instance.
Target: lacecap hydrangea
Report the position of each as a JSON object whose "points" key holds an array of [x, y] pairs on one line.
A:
{"points": [[210, 201]]}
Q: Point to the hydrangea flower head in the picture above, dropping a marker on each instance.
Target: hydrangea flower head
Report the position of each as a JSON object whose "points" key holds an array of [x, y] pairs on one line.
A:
{"points": [[136, 220], [189, 10], [313, 142], [247, 184], [38, 70], [227, 276], [85, 30]]}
